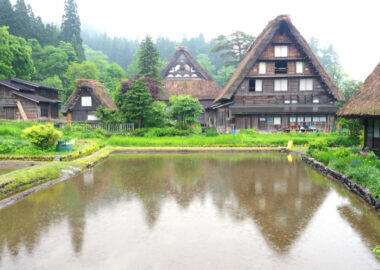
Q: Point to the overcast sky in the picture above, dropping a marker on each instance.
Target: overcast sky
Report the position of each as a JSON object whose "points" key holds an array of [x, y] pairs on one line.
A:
{"points": [[353, 27]]}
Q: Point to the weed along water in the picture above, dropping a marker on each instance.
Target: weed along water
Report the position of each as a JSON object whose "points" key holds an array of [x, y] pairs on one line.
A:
{"points": [[191, 211]]}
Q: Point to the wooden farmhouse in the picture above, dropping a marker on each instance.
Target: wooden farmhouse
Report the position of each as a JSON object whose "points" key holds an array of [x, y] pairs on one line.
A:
{"points": [[183, 75], [365, 104], [82, 104], [279, 84], [24, 100]]}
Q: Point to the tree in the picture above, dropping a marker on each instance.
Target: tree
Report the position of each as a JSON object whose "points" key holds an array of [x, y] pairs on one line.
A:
{"points": [[112, 77], [206, 63], [6, 55], [107, 116], [22, 21], [233, 48], [84, 70], [185, 110], [22, 62], [224, 75], [148, 59], [54, 82], [7, 17], [134, 101], [70, 28], [157, 115]]}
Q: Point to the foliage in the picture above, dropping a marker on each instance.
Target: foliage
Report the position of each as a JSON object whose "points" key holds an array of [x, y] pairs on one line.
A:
{"points": [[82, 131], [54, 82], [224, 75], [148, 59], [185, 110], [70, 28], [233, 47], [15, 56], [42, 136], [354, 128], [377, 251], [7, 146], [134, 101], [205, 61], [112, 76], [84, 70], [107, 116], [166, 132], [157, 115], [211, 132]]}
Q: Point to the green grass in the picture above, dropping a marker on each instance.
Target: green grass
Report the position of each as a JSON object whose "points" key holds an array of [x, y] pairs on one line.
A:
{"points": [[227, 140]]}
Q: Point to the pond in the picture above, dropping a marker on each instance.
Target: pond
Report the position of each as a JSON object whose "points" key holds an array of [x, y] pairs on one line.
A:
{"points": [[191, 211]]}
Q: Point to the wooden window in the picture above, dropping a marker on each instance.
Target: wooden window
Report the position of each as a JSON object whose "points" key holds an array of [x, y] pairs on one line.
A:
{"points": [[299, 67], [315, 100], [293, 119], [307, 118], [281, 85], [300, 119], [280, 67], [86, 102], [306, 84], [322, 119], [262, 68], [281, 51], [270, 120], [315, 118], [376, 130], [255, 85], [277, 120]]}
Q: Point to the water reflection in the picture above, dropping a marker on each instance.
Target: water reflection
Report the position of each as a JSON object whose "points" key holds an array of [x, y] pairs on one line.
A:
{"points": [[277, 196]]}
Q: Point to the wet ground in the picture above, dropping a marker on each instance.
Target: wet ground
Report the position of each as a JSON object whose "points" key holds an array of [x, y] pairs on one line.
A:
{"points": [[191, 211]]}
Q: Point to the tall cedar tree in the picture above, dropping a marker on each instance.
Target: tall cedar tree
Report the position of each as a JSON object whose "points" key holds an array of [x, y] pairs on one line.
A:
{"points": [[6, 13], [22, 21], [233, 48], [148, 59], [134, 101], [70, 28]]}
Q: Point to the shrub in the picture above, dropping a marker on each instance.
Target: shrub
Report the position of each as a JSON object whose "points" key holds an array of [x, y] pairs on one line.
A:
{"points": [[323, 156], [43, 136], [167, 131], [7, 147], [211, 132], [139, 132], [250, 132], [319, 145], [7, 131]]}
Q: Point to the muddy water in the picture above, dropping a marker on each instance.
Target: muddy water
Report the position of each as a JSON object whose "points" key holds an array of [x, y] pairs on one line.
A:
{"points": [[191, 211]]}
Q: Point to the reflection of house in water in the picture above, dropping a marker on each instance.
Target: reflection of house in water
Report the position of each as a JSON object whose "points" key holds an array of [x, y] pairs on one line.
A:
{"points": [[362, 222]]}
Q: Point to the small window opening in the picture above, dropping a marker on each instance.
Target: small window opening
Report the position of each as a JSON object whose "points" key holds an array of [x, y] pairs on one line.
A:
{"points": [[280, 67], [252, 86]]}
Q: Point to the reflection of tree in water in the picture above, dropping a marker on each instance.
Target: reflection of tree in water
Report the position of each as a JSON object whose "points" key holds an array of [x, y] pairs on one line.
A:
{"points": [[267, 189]]}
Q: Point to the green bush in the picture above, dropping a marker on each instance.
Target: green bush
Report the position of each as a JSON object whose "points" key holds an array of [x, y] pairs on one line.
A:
{"points": [[43, 136], [7, 147], [323, 156], [7, 131], [250, 132], [139, 132], [317, 145], [167, 131], [211, 132]]}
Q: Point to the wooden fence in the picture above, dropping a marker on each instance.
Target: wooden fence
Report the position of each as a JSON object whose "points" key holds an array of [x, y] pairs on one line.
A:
{"points": [[110, 127]]}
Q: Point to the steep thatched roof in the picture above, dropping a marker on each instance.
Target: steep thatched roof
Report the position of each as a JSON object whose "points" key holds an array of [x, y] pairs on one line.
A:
{"points": [[197, 88], [172, 61], [97, 90], [259, 45], [366, 102], [202, 87]]}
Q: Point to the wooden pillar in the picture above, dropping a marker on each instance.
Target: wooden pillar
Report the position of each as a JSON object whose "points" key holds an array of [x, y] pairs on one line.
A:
{"points": [[68, 118]]}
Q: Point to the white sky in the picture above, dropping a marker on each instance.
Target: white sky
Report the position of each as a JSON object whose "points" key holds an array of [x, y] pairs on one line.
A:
{"points": [[353, 27]]}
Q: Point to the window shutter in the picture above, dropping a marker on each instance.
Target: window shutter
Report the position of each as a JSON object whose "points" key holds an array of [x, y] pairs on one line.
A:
{"points": [[284, 85], [299, 67], [277, 51], [302, 84], [309, 85], [259, 85], [262, 68]]}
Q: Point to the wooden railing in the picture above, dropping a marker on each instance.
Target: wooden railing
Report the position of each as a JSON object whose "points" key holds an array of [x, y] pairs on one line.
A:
{"points": [[110, 127]]}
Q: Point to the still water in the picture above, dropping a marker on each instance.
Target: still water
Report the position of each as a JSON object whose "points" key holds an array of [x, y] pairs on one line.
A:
{"points": [[191, 211]]}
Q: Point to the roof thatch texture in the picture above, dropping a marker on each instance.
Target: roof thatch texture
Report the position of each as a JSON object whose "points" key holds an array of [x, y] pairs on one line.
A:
{"points": [[98, 90], [259, 45], [201, 88], [366, 102]]}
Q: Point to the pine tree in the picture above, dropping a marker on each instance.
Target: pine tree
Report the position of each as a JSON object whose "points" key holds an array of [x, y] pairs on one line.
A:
{"points": [[22, 21], [148, 59], [70, 28], [6, 13]]}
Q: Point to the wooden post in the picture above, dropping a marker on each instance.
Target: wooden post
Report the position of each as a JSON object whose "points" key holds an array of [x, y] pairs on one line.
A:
{"points": [[22, 112], [68, 118]]}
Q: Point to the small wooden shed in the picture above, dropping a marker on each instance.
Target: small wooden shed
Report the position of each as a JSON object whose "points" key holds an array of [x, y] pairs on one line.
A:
{"points": [[82, 104]]}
